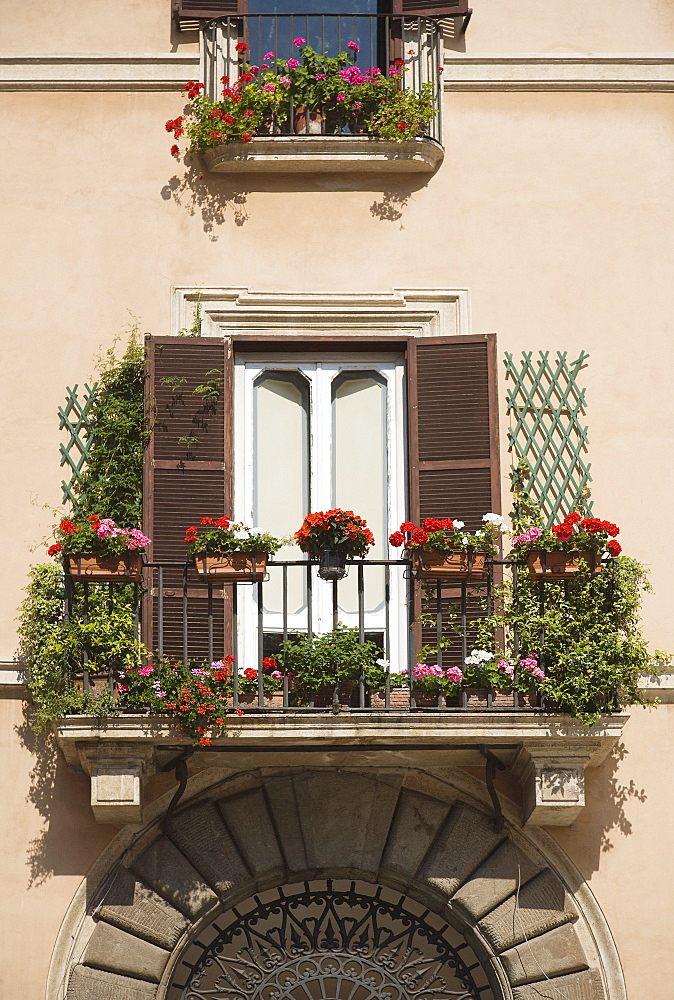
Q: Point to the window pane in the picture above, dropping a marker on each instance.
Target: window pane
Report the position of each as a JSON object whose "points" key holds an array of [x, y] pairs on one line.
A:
{"points": [[360, 470], [281, 473]]}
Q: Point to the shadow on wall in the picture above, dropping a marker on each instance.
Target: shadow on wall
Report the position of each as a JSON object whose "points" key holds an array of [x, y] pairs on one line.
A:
{"points": [[604, 821], [70, 839], [221, 199]]}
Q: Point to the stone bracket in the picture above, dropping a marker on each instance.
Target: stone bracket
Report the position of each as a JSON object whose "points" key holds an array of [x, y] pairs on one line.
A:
{"points": [[117, 780], [553, 782]]}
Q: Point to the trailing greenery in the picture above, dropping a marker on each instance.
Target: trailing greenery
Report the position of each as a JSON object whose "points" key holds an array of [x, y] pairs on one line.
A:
{"points": [[585, 636], [111, 484], [55, 652]]}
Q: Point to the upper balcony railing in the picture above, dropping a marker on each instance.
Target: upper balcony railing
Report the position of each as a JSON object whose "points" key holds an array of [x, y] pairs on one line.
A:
{"points": [[372, 40]]}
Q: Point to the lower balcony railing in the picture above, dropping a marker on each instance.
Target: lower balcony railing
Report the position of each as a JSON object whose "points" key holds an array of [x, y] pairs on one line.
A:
{"points": [[199, 621]]}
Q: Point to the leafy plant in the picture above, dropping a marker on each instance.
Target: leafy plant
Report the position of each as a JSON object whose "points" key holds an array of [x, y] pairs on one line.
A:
{"points": [[210, 390], [584, 635], [55, 652], [320, 661], [224, 535], [111, 483], [446, 535], [406, 114]]}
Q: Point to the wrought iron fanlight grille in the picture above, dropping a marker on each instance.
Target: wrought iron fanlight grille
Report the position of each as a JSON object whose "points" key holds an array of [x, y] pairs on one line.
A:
{"points": [[329, 940]]}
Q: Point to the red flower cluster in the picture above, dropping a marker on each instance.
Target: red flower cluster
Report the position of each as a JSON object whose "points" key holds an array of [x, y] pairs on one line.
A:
{"points": [[192, 89], [328, 529], [241, 47], [269, 663], [192, 532], [68, 528], [587, 525], [53, 549], [419, 535]]}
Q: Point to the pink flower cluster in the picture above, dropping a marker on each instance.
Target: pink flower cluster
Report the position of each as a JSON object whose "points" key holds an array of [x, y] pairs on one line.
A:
{"points": [[530, 535], [453, 674], [135, 538], [529, 664]]}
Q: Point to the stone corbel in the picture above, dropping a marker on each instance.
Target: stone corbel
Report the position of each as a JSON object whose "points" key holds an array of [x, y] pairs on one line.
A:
{"points": [[117, 781], [553, 782]]}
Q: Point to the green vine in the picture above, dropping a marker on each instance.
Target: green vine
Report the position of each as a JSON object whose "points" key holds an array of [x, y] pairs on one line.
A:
{"points": [[111, 484]]}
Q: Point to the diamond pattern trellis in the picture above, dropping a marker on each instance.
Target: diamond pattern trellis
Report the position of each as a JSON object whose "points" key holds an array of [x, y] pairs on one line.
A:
{"points": [[545, 407], [74, 417]]}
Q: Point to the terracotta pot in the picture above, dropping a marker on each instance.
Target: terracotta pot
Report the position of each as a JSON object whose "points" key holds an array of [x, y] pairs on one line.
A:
{"points": [[560, 565], [332, 564], [324, 697], [424, 699], [106, 569], [437, 564], [478, 698], [400, 698], [238, 567], [315, 124]]}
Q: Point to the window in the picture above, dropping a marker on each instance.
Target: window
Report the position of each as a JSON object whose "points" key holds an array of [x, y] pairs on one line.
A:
{"points": [[283, 436]]}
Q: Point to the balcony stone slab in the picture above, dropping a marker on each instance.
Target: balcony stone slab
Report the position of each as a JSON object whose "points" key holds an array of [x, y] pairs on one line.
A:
{"points": [[547, 752], [325, 154]]}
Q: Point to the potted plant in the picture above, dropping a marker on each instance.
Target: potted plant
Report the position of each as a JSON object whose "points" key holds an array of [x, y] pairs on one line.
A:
{"points": [[434, 684], [97, 549], [315, 93], [326, 667], [442, 550], [272, 685], [575, 544], [334, 536], [229, 550]]}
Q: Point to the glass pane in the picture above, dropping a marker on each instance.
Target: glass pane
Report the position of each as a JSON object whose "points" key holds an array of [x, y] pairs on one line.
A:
{"points": [[360, 472], [281, 473]]}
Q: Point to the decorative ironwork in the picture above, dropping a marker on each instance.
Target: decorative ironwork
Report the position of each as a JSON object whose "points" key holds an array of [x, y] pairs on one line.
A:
{"points": [[316, 941], [545, 406], [74, 416]]}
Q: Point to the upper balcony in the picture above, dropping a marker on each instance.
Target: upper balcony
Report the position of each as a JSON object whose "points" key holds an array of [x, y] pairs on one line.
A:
{"points": [[318, 92], [284, 711]]}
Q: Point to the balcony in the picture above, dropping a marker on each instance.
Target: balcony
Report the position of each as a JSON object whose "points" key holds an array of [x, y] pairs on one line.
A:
{"points": [[340, 132], [373, 724]]}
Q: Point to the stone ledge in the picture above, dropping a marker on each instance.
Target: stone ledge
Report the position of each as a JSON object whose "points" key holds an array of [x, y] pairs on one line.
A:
{"points": [[325, 154], [548, 753]]}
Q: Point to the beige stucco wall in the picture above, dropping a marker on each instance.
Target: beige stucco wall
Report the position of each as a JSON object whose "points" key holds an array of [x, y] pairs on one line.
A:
{"points": [[554, 209], [619, 845], [551, 208]]}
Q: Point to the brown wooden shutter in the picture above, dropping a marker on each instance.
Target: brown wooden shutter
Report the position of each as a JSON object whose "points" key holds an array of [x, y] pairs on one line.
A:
{"points": [[431, 8], [189, 13], [453, 449], [188, 475], [453, 428]]}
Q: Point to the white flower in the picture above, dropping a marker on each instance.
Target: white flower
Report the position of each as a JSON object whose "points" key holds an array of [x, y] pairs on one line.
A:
{"points": [[238, 531], [478, 656], [494, 519], [464, 540], [383, 663], [459, 524]]}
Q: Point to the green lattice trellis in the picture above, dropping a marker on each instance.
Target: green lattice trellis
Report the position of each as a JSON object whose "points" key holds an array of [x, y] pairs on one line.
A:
{"points": [[74, 417], [545, 407]]}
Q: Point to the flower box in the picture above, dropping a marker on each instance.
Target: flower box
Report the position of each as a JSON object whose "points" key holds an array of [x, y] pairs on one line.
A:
{"points": [[274, 700], [439, 564], [105, 569], [544, 565], [237, 567]]}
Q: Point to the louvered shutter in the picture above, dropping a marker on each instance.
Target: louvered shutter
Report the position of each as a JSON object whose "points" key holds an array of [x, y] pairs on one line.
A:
{"points": [[431, 8], [188, 14], [188, 475], [453, 447]]}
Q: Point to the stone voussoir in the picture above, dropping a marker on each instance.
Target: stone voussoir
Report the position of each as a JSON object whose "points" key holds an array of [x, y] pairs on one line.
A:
{"points": [[497, 878], [203, 838], [541, 905], [248, 822], [134, 907], [465, 840], [116, 950], [95, 984], [578, 986], [553, 954], [163, 867]]}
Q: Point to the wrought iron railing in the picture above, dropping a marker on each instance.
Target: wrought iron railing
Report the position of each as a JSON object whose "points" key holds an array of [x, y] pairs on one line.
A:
{"points": [[382, 39]]}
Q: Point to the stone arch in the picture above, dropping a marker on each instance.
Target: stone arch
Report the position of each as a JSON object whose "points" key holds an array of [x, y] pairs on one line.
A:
{"points": [[399, 829]]}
